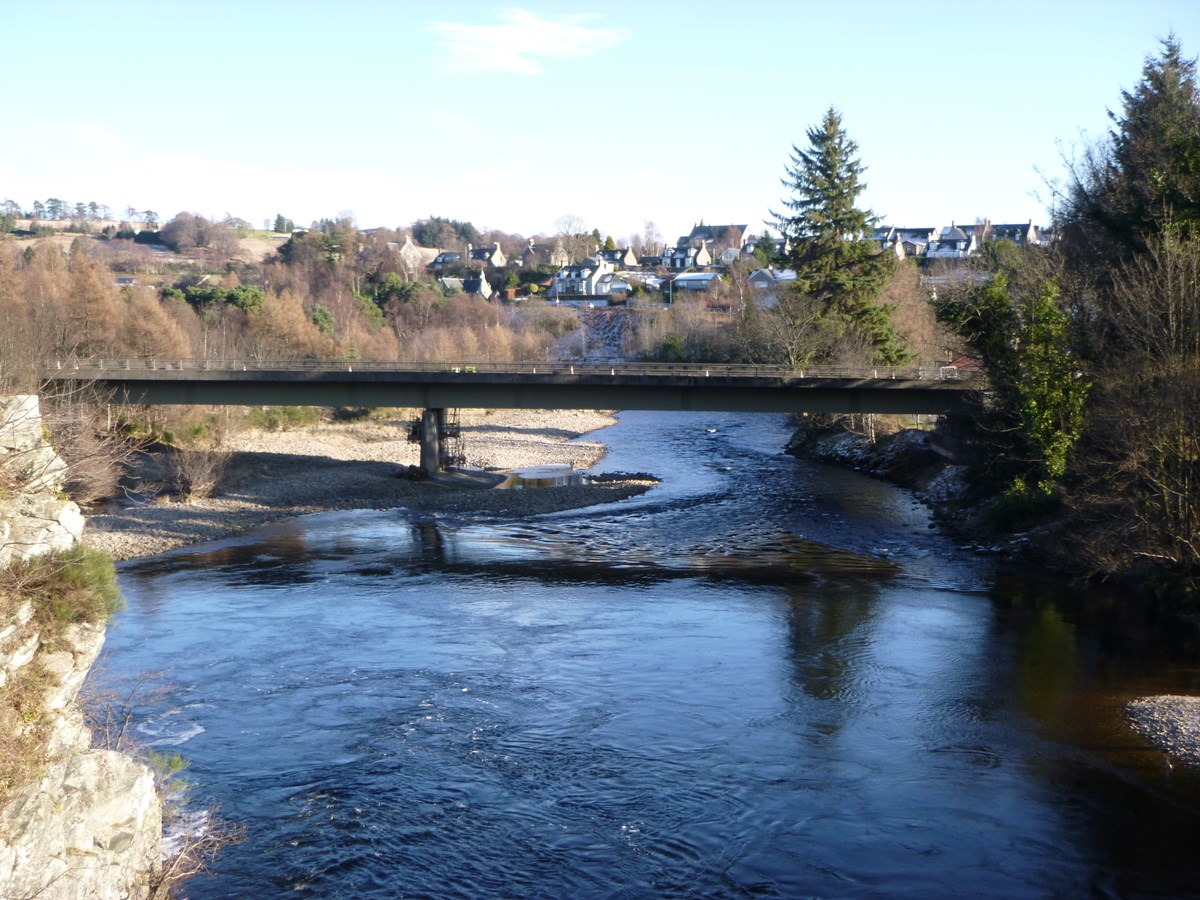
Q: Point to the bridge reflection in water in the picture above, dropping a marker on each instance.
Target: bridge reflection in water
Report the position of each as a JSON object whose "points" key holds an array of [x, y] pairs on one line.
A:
{"points": [[544, 385]]}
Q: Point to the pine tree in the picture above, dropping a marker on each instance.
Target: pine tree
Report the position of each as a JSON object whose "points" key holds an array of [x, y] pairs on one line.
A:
{"points": [[1146, 173], [825, 235], [1130, 221]]}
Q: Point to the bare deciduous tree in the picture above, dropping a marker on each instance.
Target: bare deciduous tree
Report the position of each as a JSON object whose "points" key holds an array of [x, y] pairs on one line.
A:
{"points": [[1143, 438], [797, 330], [576, 240]]}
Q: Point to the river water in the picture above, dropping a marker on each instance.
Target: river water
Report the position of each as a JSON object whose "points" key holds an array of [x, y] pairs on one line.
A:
{"points": [[762, 678]]}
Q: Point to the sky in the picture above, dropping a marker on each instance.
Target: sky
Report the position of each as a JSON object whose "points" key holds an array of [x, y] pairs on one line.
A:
{"points": [[612, 112]]}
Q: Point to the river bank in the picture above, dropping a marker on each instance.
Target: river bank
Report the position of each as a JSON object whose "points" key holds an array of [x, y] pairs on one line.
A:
{"points": [[273, 475]]}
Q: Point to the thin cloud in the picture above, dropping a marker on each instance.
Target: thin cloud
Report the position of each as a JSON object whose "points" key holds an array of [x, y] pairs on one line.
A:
{"points": [[521, 40]]}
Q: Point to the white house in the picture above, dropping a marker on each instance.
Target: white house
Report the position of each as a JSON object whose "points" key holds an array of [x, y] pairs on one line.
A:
{"points": [[905, 242], [620, 258], [491, 256], [584, 279], [685, 256], [952, 243], [478, 285]]}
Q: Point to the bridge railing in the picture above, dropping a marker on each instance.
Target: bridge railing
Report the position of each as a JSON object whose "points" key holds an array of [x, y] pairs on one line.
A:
{"points": [[102, 367]]}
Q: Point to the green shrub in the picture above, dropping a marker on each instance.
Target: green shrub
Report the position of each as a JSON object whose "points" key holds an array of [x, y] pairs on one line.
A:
{"points": [[1020, 507], [353, 413], [70, 587], [278, 418]]}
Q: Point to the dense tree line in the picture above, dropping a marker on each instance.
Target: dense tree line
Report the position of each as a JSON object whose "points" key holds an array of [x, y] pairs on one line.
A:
{"points": [[330, 292], [1094, 349]]}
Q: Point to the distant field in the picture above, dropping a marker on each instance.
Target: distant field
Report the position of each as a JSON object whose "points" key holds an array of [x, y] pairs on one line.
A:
{"points": [[260, 243], [254, 246]]}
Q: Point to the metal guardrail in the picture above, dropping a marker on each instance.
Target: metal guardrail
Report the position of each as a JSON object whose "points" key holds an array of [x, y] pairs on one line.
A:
{"points": [[588, 368]]}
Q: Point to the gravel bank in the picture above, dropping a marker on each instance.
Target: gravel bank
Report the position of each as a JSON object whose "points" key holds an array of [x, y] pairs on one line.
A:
{"points": [[1171, 723], [277, 475]]}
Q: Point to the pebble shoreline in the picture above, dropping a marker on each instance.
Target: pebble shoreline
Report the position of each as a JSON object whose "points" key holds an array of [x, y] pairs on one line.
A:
{"points": [[278, 475], [1171, 723]]}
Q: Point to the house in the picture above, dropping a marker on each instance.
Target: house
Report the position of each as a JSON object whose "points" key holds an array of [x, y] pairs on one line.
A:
{"points": [[717, 237], [413, 259], [694, 281], [952, 243], [551, 256], [447, 259], [620, 258], [1022, 234], [478, 285], [651, 260], [584, 279], [779, 246], [684, 256], [767, 283], [532, 256], [491, 257], [770, 279], [643, 280], [619, 287], [904, 242]]}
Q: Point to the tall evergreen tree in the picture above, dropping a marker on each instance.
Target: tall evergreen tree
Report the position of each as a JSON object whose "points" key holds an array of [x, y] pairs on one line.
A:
{"points": [[825, 182], [825, 239], [1130, 221], [1145, 173]]}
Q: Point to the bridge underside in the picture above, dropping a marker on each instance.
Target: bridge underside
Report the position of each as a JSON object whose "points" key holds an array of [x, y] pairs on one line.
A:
{"points": [[803, 395], [435, 392]]}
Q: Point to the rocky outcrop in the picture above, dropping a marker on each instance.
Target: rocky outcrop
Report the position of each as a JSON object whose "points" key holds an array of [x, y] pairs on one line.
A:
{"points": [[34, 516], [88, 823]]}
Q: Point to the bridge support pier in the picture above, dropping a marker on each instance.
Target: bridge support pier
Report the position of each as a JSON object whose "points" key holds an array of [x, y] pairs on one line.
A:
{"points": [[433, 424]]}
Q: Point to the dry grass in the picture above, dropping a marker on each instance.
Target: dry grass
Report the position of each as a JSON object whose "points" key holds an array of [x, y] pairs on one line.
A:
{"points": [[256, 247], [23, 727]]}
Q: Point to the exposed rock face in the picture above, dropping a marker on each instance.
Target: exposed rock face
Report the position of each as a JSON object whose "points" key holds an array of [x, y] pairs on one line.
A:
{"points": [[34, 517], [90, 825]]}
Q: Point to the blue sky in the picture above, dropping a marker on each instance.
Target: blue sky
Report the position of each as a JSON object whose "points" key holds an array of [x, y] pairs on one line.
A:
{"points": [[513, 116]]}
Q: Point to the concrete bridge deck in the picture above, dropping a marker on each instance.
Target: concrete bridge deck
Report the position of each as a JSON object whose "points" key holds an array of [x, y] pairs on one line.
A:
{"points": [[560, 385]]}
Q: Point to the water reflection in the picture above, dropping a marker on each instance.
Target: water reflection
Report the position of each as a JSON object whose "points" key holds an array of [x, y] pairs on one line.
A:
{"points": [[830, 637]]}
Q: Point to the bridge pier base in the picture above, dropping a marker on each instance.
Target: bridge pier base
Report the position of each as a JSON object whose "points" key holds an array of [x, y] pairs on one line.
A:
{"points": [[433, 423]]}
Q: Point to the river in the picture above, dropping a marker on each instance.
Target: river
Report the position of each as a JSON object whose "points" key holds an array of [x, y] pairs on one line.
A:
{"points": [[762, 678]]}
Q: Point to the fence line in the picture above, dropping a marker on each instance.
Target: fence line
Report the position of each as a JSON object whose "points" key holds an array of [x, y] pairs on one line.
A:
{"points": [[587, 368]]}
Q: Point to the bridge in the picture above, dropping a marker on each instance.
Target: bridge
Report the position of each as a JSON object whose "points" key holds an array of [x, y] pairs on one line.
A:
{"points": [[436, 387]]}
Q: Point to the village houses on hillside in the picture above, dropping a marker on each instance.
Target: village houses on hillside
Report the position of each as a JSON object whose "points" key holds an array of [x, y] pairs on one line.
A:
{"points": [[693, 263]]}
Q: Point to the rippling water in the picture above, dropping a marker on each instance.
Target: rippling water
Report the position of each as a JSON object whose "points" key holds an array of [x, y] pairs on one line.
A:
{"points": [[761, 678]]}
